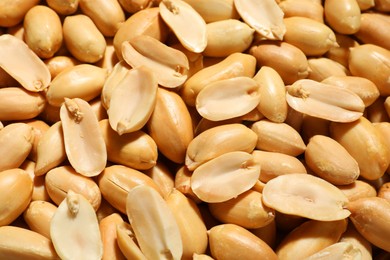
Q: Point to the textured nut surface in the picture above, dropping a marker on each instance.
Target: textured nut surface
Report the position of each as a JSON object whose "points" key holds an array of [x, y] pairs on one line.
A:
{"points": [[338, 250], [38, 216]]}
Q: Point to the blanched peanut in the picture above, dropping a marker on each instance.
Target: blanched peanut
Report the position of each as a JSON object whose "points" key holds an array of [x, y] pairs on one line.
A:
{"points": [[163, 177], [374, 29], [321, 68], [343, 16], [134, 6], [358, 189], [341, 52], [12, 12], [305, 8], [38, 216], [108, 232], [64, 7], [59, 63], [358, 241], [214, 10]]}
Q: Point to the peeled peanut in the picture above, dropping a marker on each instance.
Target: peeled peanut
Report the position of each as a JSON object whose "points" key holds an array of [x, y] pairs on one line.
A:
{"points": [[163, 177], [358, 189], [321, 68], [12, 12], [341, 52], [373, 29], [304, 8], [57, 64], [214, 10], [108, 232], [358, 241], [38, 216], [134, 6], [343, 16], [64, 7]]}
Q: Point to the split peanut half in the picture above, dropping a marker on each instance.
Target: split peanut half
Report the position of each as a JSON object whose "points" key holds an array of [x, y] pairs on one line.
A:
{"points": [[307, 196], [154, 224], [169, 65], [186, 23], [214, 10], [74, 229], [265, 16], [339, 250], [84, 143], [19, 61], [127, 242], [108, 232]]}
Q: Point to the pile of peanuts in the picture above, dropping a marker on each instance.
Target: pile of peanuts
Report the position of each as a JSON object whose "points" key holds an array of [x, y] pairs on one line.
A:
{"points": [[195, 129]]}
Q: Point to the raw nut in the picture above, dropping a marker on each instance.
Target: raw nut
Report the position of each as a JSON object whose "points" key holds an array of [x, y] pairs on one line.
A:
{"points": [[170, 66], [246, 210], [309, 238], [16, 189], [217, 141], [83, 39], [201, 257], [134, 6], [12, 13], [342, 16], [116, 181], [274, 164], [107, 15], [21, 243], [154, 224], [136, 150], [230, 241], [179, 16], [289, 61], [19, 61], [127, 242], [305, 8], [272, 103], [321, 68], [370, 217], [341, 52], [16, 141], [265, 17], [366, 145], [214, 10], [358, 241], [358, 189], [339, 250], [39, 129], [144, 22], [64, 7], [192, 228], [163, 177], [38, 216], [307, 196], [234, 65], [81, 81], [324, 101], [43, 31], [83, 139], [69, 239], [331, 161], [53, 141], [183, 183], [60, 180], [312, 37], [171, 115], [227, 37], [132, 100], [228, 98], [57, 64], [39, 189], [371, 25], [110, 240], [371, 62], [363, 87], [278, 137], [225, 177]]}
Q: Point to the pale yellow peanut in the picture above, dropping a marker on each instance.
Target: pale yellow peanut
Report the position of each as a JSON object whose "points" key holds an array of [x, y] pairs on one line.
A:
{"points": [[137, 149], [109, 59], [107, 15], [366, 145], [38, 216], [134, 6], [289, 61], [358, 241], [163, 177], [83, 139], [39, 189], [201, 257], [170, 125], [322, 68], [278, 137], [305, 8], [341, 52], [235, 65], [272, 103], [108, 232], [19, 104], [230, 241], [192, 228], [127, 242], [43, 31], [133, 100], [274, 164], [83, 39], [183, 183], [217, 141], [214, 10], [358, 189], [57, 64], [204, 124], [374, 29], [384, 129], [371, 62], [69, 239], [16, 191], [16, 142], [39, 128], [178, 15], [266, 233], [376, 112], [20, 243], [363, 87], [154, 224], [265, 17], [195, 60], [19, 61], [170, 66], [60, 180], [246, 210], [309, 238], [365, 4], [331, 161], [310, 197], [339, 250], [144, 22], [324, 101], [64, 7], [225, 177], [342, 16], [81, 81], [312, 37], [370, 216], [117, 180], [13, 12]]}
